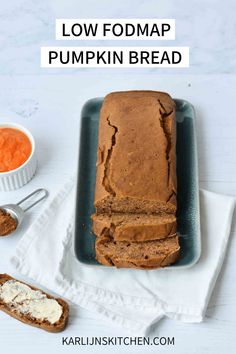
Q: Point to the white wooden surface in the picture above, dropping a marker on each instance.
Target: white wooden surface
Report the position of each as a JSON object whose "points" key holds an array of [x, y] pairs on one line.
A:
{"points": [[50, 108]]}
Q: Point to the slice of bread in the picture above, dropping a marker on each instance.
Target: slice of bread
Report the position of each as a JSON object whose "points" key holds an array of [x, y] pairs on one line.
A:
{"points": [[134, 227], [142, 255], [26, 317]]}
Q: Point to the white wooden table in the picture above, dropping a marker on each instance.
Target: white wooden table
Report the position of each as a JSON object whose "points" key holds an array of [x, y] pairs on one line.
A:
{"points": [[50, 107]]}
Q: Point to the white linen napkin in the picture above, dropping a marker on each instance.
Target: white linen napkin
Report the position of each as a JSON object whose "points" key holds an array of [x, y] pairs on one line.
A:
{"points": [[133, 299]]}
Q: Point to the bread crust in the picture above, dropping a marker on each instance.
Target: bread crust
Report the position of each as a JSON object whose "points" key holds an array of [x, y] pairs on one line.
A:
{"points": [[45, 325]]}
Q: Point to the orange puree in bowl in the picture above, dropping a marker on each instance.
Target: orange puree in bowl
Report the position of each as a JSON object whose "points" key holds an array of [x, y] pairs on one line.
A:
{"points": [[15, 149]]}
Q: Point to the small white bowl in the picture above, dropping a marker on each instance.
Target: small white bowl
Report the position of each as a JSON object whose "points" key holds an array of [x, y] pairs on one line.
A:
{"points": [[15, 179]]}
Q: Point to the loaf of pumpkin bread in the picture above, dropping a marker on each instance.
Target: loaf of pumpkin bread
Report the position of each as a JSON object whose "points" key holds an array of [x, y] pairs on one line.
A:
{"points": [[135, 193], [136, 167]]}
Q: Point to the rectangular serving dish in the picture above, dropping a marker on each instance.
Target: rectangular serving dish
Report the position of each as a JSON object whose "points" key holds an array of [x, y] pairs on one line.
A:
{"points": [[188, 218]]}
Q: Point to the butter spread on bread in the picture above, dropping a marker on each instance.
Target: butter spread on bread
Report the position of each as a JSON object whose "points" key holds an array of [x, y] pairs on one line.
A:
{"points": [[31, 305], [26, 300]]}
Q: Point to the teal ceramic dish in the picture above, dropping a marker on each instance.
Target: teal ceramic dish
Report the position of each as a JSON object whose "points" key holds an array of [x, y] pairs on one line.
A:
{"points": [[188, 217]]}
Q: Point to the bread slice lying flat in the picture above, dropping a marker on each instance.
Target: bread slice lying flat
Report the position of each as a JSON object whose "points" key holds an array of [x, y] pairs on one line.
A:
{"points": [[17, 297], [134, 227], [143, 255]]}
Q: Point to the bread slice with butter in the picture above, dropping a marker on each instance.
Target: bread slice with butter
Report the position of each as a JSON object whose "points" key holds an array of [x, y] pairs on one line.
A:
{"points": [[31, 305]]}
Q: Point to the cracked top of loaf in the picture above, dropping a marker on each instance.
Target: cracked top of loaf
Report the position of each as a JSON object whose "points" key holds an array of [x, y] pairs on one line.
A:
{"points": [[136, 163]]}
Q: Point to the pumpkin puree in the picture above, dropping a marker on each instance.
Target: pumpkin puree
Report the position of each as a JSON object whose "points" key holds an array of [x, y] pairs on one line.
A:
{"points": [[15, 149]]}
